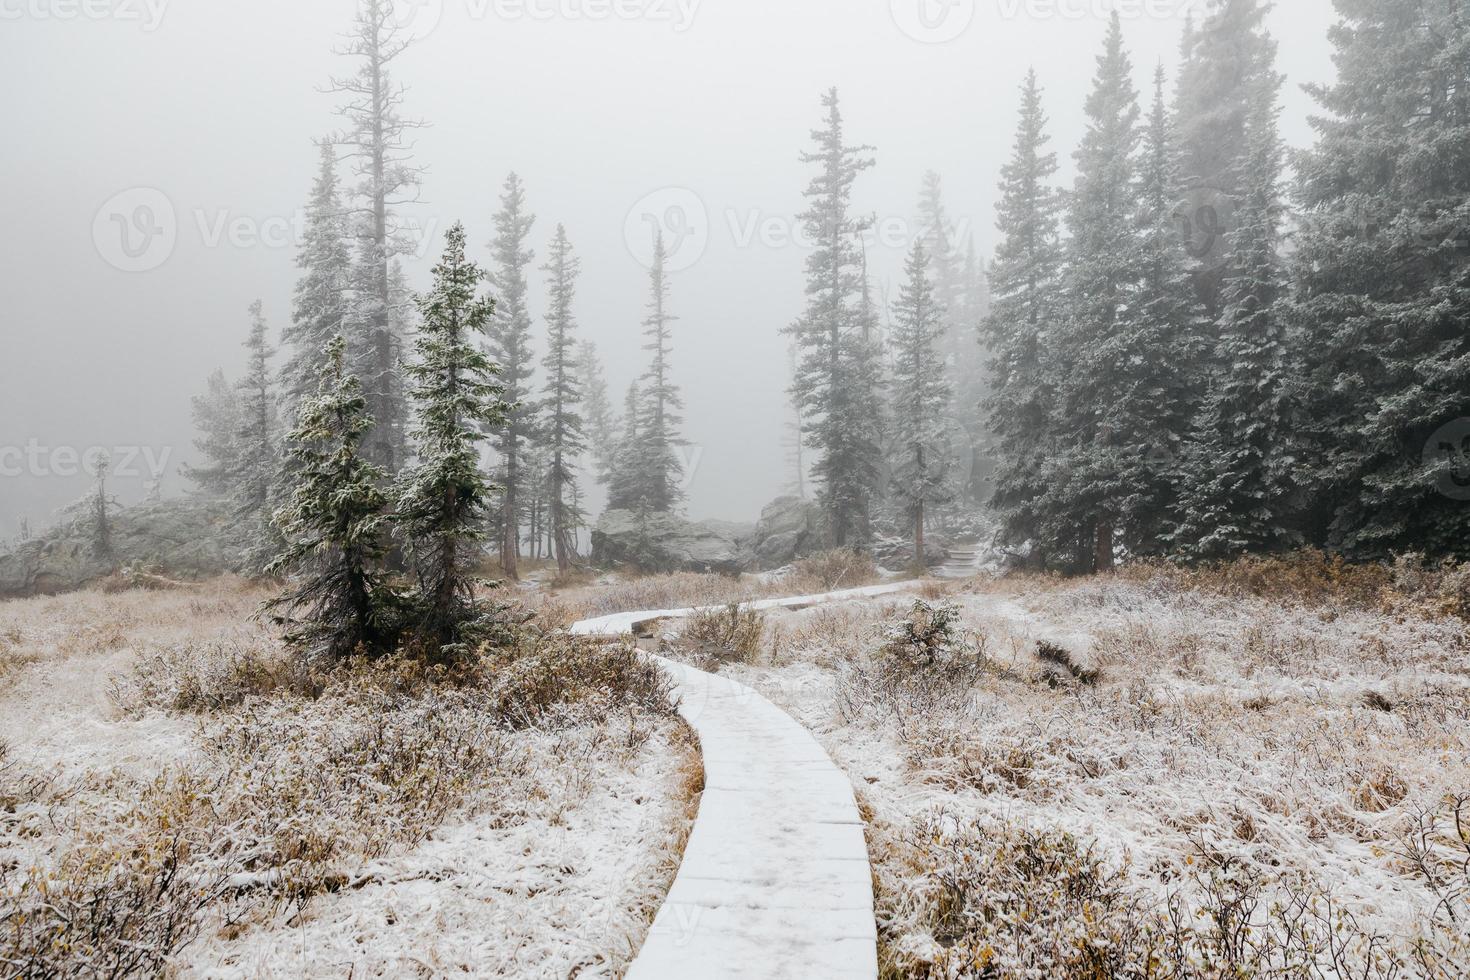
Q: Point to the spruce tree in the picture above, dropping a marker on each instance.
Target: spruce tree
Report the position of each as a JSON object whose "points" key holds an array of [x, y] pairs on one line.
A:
{"points": [[1091, 479], [1235, 497], [923, 456], [340, 605], [320, 300], [444, 498], [217, 415], [101, 510], [1165, 372], [1383, 284], [377, 140], [510, 346], [664, 471], [1227, 59], [254, 485], [563, 438], [626, 488], [1022, 325], [601, 420], [839, 362]]}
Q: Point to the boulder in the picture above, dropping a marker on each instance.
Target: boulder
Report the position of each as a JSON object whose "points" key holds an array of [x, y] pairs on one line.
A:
{"points": [[667, 543], [187, 538], [789, 528]]}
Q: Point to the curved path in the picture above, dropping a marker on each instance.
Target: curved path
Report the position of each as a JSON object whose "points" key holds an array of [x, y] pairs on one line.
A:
{"points": [[775, 881]]}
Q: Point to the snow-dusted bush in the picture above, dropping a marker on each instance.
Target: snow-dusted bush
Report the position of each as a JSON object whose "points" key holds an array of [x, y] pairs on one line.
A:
{"points": [[551, 676], [732, 633], [922, 664], [841, 568], [211, 675]]}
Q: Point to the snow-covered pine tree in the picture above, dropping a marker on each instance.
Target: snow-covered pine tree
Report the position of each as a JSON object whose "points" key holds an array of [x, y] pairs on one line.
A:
{"points": [[255, 486], [922, 454], [602, 423], [444, 498], [217, 417], [320, 300], [1164, 374], [1227, 58], [510, 346], [1021, 328], [376, 138], [664, 476], [340, 605], [101, 509], [1092, 479], [1383, 284], [1234, 486], [838, 357], [626, 487], [563, 438]]}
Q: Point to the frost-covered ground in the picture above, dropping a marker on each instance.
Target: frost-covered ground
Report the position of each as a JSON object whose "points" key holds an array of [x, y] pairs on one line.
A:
{"points": [[1242, 782], [177, 797]]}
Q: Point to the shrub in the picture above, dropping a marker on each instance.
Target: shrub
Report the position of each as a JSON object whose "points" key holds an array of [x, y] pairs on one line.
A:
{"points": [[923, 664], [840, 568], [205, 677], [551, 676], [730, 634]]}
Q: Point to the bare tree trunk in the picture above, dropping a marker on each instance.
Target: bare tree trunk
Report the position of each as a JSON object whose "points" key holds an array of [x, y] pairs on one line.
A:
{"points": [[1103, 559]]}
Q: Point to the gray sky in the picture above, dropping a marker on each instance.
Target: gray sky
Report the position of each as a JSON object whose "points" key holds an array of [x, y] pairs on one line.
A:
{"points": [[124, 110]]}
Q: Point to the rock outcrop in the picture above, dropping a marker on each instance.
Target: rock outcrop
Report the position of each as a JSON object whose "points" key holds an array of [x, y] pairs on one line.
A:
{"points": [[667, 543], [186, 538], [789, 528]]}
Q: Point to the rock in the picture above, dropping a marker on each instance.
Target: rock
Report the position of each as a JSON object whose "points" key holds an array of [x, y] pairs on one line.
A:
{"points": [[897, 554], [789, 528], [186, 538], [667, 543]]}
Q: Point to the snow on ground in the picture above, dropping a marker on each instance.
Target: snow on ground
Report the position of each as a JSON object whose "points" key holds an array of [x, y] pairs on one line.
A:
{"points": [[553, 847], [1295, 741]]}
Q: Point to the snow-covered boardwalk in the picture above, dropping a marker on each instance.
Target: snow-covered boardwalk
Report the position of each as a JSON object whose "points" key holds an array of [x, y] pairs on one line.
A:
{"points": [[775, 881]]}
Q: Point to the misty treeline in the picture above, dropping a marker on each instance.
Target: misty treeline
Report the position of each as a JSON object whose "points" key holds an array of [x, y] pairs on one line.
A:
{"points": [[1193, 358], [1205, 347]]}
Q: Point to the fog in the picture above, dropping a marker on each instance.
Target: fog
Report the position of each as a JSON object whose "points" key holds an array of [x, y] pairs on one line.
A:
{"points": [[119, 110]]}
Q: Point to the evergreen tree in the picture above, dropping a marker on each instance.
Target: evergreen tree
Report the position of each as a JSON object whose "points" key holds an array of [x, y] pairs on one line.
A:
{"points": [[376, 136], [254, 484], [1165, 372], [1235, 500], [1021, 328], [1091, 477], [445, 499], [101, 510], [340, 606], [218, 415], [510, 346], [1227, 59], [564, 427], [921, 393], [626, 487], [838, 352], [664, 471], [601, 421], [321, 297], [1383, 284]]}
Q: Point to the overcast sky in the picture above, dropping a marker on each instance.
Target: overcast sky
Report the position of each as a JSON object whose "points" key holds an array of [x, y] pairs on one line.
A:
{"points": [[118, 112]]}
